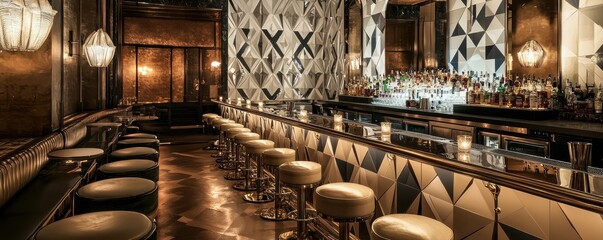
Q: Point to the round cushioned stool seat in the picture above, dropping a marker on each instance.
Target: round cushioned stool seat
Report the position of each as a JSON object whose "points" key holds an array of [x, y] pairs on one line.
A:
{"points": [[138, 142], [300, 172], [225, 127], [210, 121], [246, 137], [278, 156], [220, 122], [126, 193], [409, 227], [207, 116], [258, 146], [134, 153], [344, 200], [141, 168], [132, 129], [104, 225], [232, 132], [139, 135]]}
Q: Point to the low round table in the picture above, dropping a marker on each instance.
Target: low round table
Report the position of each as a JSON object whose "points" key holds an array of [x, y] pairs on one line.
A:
{"points": [[77, 155]]}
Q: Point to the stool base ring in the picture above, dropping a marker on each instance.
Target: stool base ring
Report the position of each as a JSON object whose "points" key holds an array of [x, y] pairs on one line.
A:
{"points": [[274, 215], [227, 166], [241, 186], [234, 175], [255, 197], [311, 214], [292, 235]]}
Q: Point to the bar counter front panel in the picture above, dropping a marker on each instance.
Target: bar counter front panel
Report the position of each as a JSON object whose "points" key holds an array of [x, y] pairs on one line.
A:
{"points": [[473, 208]]}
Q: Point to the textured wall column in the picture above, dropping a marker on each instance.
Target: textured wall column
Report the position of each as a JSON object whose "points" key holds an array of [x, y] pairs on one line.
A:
{"points": [[373, 22]]}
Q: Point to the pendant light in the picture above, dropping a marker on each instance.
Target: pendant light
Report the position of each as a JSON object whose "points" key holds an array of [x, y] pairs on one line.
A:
{"points": [[99, 49], [530, 55], [24, 24]]}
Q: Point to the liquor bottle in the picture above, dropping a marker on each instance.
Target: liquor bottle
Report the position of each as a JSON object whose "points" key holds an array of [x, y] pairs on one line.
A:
{"points": [[533, 98], [599, 101]]}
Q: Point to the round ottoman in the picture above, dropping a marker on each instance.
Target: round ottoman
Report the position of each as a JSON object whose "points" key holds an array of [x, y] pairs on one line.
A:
{"points": [[141, 168], [138, 142], [409, 226], [127, 193], [115, 225], [139, 135], [134, 153]]}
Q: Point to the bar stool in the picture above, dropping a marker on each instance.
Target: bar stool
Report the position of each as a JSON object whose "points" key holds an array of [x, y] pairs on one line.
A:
{"points": [[300, 175], [216, 124], [345, 202], [206, 119], [132, 129], [274, 158], [256, 148], [127, 193], [134, 153], [230, 141], [409, 226], [141, 168], [139, 135], [239, 174], [138, 142], [227, 152], [100, 226]]}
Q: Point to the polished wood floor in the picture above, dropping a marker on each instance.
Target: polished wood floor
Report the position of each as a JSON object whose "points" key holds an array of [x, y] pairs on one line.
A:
{"points": [[196, 202]]}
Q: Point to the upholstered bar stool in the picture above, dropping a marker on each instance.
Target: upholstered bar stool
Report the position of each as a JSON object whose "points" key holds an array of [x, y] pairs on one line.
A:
{"points": [[239, 174], [132, 129], [409, 226], [141, 168], [256, 148], [139, 135], [213, 144], [100, 226], [230, 141], [134, 153], [300, 175], [275, 157], [138, 142], [127, 193], [345, 203], [206, 119], [216, 124], [227, 152]]}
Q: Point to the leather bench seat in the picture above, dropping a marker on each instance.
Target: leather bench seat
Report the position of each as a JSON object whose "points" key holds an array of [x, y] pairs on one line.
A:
{"points": [[141, 168], [138, 142], [134, 153], [114, 225], [127, 193]]}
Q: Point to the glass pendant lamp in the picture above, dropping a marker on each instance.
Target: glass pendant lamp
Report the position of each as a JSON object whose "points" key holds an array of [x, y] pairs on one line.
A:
{"points": [[530, 55], [24, 24], [99, 49]]}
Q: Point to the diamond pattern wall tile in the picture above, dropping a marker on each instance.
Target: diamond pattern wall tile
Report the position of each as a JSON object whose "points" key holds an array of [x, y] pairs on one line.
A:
{"points": [[373, 37], [285, 49], [477, 36], [524, 212]]}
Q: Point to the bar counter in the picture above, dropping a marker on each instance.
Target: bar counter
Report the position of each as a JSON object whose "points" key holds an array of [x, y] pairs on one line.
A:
{"points": [[421, 174]]}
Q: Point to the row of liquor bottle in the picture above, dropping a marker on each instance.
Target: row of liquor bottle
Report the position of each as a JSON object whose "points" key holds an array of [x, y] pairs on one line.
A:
{"points": [[450, 87]]}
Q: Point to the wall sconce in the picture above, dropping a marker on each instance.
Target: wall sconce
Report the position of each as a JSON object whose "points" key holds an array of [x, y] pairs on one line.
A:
{"points": [[530, 55], [337, 119], [386, 128], [464, 143], [144, 70], [99, 49], [25, 24]]}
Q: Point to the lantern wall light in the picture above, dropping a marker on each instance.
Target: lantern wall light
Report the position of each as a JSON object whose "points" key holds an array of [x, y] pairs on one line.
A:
{"points": [[99, 49], [25, 24]]}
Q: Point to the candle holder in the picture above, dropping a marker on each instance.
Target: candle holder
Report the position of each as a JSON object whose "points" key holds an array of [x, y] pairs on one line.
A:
{"points": [[386, 128], [338, 127], [260, 106], [464, 143], [239, 102], [303, 113], [248, 103], [337, 119], [386, 138], [464, 157], [220, 98]]}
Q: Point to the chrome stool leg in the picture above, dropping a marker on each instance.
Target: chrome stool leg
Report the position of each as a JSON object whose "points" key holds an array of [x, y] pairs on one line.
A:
{"points": [[220, 146], [260, 196], [237, 173], [227, 163], [277, 213], [247, 184]]}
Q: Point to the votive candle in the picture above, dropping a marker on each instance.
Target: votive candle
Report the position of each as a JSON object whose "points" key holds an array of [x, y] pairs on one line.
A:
{"points": [[464, 143]]}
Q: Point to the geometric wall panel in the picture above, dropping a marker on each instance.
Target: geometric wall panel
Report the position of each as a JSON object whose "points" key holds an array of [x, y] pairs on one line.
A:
{"points": [[401, 185], [582, 41], [477, 36], [285, 49], [373, 37]]}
